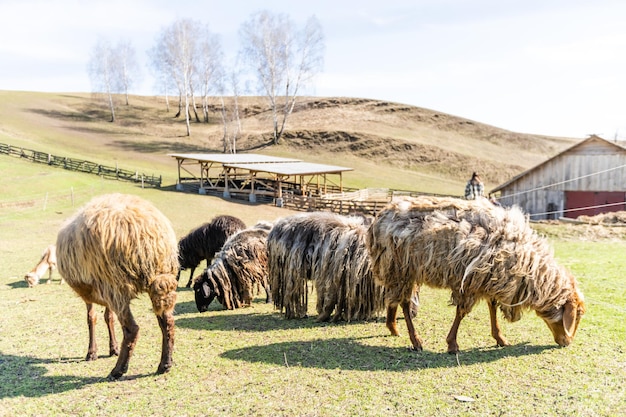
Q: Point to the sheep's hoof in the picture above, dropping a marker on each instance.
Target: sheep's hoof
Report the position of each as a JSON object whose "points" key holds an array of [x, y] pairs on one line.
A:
{"points": [[114, 376], [163, 369], [502, 343], [91, 356], [453, 351], [415, 349], [114, 352]]}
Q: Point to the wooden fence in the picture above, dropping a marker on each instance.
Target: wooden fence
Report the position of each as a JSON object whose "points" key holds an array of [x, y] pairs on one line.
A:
{"points": [[81, 165], [368, 201]]}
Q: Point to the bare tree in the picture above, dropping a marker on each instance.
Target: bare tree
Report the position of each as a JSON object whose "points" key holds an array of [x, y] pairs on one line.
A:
{"points": [[283, 60], [209, 68], [174, 55], [229, 99], [102, 72], [127, 66]]}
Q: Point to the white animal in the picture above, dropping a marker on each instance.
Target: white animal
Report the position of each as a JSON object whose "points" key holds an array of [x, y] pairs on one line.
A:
{"points": [[47, 263]]}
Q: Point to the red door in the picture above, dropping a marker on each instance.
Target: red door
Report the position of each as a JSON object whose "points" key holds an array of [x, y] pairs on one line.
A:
{"points": [[590, 203]]}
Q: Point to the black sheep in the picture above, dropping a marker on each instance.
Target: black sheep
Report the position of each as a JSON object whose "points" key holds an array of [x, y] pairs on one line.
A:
{"points": [[205, 241]]}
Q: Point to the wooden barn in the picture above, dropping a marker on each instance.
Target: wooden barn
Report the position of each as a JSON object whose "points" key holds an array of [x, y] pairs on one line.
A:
{"points": [[588, 178]]}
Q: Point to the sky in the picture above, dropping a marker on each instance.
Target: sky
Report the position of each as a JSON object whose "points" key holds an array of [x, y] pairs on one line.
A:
{"points": [[549, 67]]}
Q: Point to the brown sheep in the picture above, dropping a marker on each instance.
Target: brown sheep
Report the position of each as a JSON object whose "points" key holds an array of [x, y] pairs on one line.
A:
{"points": [[203, 242], [115, 248], [237, 271], [478, 251], [328, 249], [47, 263]]}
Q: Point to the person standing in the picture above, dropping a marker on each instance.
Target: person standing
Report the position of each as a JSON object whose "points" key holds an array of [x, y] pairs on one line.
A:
{"points": [[474, 188]]}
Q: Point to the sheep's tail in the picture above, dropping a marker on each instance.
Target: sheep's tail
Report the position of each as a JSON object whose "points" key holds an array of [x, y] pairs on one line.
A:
{"points": [[163, 293]]}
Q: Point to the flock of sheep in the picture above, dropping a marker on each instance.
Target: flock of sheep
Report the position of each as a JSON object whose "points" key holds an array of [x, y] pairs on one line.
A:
{"points": [[118, 246]]}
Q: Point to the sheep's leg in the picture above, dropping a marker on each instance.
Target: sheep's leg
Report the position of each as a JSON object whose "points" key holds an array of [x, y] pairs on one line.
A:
{"points": [[495, 327], [415, 340], [190, 278], [131, 333], [392, 325], [92, 351], [109, 317], [268, 293], [166, 322], [453, 347]]}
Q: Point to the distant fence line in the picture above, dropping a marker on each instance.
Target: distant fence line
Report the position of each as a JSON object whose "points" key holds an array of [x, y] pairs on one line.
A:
{"points": [[81, 165], [368, 201]]}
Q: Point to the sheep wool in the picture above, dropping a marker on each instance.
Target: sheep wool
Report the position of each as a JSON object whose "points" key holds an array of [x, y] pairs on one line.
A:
{"points": [[478, 251], [238, 271], [203, 242], [115, 248], [328, 249]]}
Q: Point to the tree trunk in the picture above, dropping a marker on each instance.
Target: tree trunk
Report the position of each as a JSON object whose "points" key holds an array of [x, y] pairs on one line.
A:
{"points": [[111, 107]]}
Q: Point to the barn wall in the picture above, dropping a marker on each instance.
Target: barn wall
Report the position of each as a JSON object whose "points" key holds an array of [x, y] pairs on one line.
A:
{"points": [[596, 166]]}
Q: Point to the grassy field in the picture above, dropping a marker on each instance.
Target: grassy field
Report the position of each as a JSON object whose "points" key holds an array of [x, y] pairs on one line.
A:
{"points": [[254, 362]]}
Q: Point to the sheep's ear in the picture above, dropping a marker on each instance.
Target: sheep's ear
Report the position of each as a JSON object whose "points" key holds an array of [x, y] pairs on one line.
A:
{"points": [[569, 318]]}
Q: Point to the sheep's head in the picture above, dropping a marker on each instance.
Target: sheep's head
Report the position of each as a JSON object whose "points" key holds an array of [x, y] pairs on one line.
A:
{"points": [[205, 290], [563, 323], [31, 279]]}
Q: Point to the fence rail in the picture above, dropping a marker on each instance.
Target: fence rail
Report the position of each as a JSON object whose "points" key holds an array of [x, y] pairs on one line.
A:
{"points": [[368, 201], [81, 165]]}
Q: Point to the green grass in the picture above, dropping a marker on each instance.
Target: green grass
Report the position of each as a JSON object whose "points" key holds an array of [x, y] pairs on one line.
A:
{"points": [[253, 362]]}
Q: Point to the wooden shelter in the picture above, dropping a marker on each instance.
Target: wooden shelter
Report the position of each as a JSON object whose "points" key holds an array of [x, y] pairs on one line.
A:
{"points": [[586, 179], [255, 175]]}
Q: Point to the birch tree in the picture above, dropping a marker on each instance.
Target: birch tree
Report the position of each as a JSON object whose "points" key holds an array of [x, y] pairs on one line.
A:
{"points": [[102, 72], [209, 68], [174, 55], [283, 60], [127, 67], [230, 90]]}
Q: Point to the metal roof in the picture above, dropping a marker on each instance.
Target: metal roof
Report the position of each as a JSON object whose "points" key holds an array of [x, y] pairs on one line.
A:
{"points": [[292, 168], [232, 158]]}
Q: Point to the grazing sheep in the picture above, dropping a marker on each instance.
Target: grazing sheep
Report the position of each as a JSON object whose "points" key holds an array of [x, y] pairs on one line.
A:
{"points": [[203, 242], [116, 247], [47, 263], [328, 249], [237, 271], [476, 250]]}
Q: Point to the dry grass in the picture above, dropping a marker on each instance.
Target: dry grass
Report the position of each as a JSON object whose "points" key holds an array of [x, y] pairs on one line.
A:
{"points": [[388, 144]]}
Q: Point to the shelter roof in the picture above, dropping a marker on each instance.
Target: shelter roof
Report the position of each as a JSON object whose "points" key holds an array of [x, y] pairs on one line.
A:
{"points": [[232, 158], [291, 168]]}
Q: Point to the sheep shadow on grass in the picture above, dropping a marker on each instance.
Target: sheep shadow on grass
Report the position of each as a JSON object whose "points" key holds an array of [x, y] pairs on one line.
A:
{"points": [[26, 376], [352, 354]]}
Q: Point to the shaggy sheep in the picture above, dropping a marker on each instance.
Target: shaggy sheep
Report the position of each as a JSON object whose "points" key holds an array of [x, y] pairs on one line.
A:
{"points": [[47, 263], [476, 250], [116, 247], [204, 241], [237, 271], [328, 249]]}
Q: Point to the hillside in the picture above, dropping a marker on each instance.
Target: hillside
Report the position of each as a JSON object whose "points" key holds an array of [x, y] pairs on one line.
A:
{"points": [[388, 144]]}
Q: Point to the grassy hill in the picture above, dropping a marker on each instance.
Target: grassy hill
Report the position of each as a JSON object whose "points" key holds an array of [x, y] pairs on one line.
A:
{"points": [[388, 144], [252, 361]]}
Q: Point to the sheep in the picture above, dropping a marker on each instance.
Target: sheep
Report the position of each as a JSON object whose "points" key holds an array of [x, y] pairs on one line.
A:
{"points": [[478, 251], [328, 249], [116, 247], [47, 263], [237, 271], [204, 241]]}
